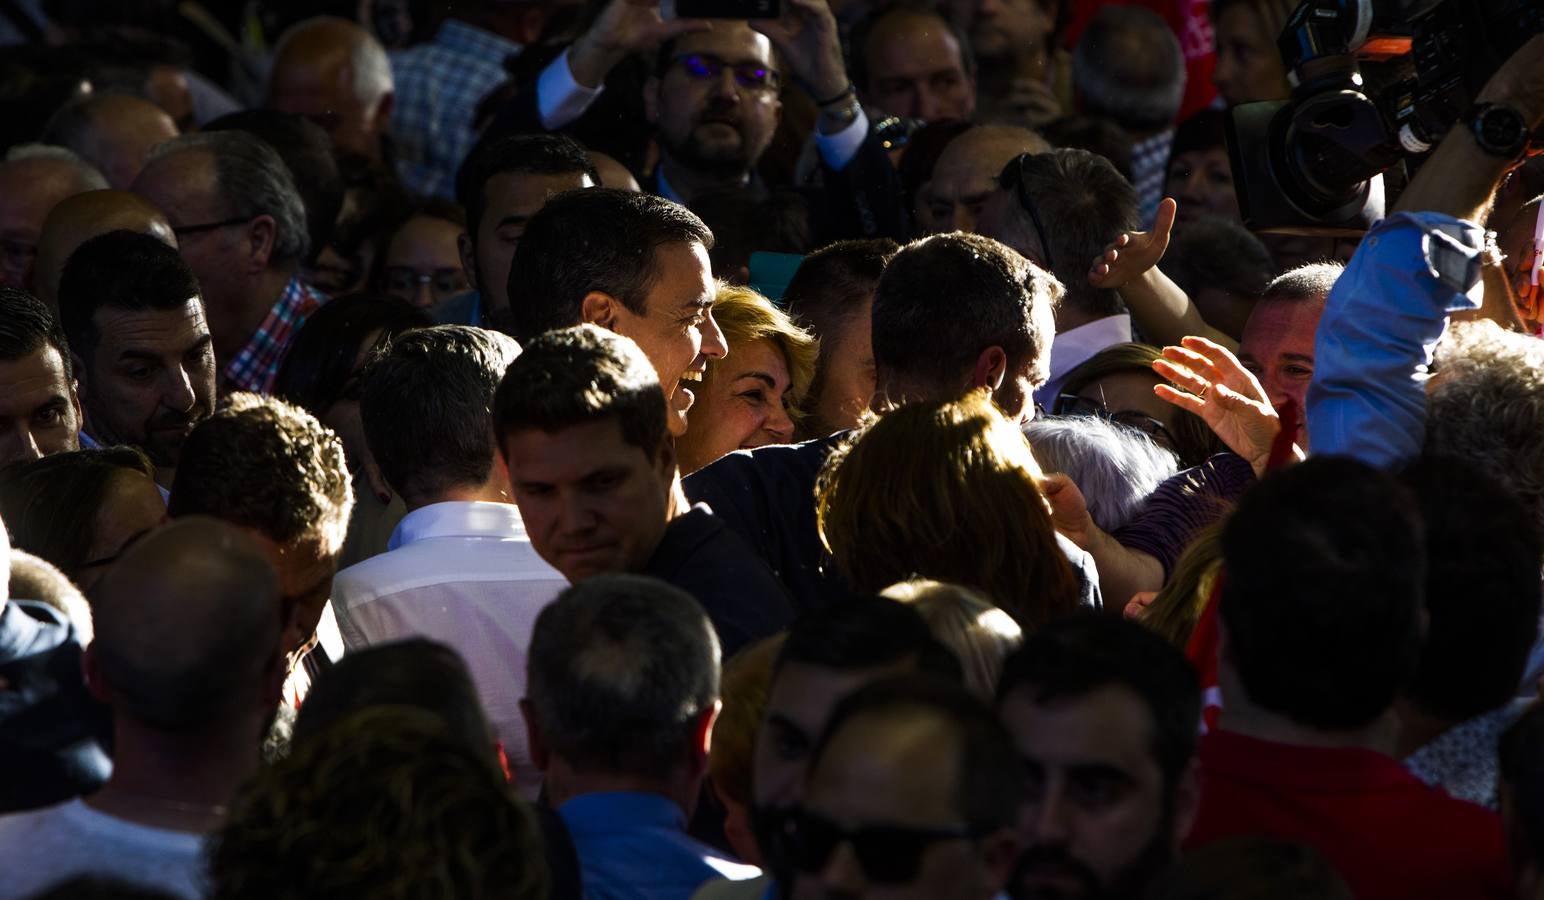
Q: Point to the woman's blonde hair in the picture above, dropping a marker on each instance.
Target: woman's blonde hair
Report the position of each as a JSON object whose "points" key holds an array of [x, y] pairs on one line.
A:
{"points": [[948, 491], [744, 687], [745, 316], [966, 622], [1173, 614]]}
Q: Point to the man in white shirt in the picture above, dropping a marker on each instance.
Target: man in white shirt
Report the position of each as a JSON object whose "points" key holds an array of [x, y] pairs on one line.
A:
{"points": [[187, 654], [459, 569]]}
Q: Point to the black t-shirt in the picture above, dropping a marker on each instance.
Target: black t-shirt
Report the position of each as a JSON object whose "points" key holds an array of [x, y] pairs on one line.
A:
{"points": [[51, 730], [741, 596]]}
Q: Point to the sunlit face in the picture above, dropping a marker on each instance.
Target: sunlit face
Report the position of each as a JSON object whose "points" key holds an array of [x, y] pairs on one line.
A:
{"points": [[676, 331], [1202, 182], [1278, 347], [29, 189], [744, 404], [966, 177], [592, 503], [39, 412], [847, 383], [1127, 398], [423, 262], [1095, 820], [150, 379], [510, 200], [916, 70], [131, 508], [1249, 65], [185, 187], [716, 105]]}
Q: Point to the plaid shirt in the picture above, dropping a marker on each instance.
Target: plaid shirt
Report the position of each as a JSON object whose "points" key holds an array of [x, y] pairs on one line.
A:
{"points": [[1149, 160], [257, 365], [438, 87]]}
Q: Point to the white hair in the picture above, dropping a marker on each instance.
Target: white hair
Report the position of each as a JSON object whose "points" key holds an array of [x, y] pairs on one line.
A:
{"points": [[91, 177], [1115, 467]]}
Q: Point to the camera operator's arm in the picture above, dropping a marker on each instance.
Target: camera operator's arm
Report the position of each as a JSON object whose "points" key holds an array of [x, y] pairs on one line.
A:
{"points": [[1160, 309], [1385, 315]]}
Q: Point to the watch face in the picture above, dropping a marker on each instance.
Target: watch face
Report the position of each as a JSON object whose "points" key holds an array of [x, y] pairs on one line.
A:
{"points": [[1502, 128]]}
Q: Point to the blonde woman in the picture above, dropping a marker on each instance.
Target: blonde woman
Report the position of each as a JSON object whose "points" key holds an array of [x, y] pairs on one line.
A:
{"points": [[752, 396], [947, 491]]}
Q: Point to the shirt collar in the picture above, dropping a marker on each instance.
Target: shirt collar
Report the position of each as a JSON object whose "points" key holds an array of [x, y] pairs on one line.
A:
{"points": [[621, 811], [1072, 348], [1292, 766], [458, 518]]}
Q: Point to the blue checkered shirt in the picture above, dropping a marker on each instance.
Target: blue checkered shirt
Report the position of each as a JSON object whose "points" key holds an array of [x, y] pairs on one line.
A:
{"points": [[438, 88], [1149, 162], [257, 365]]}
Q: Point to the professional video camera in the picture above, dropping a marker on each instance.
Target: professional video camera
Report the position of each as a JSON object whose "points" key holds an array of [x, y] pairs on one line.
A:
{"points": [[1314, 164]]}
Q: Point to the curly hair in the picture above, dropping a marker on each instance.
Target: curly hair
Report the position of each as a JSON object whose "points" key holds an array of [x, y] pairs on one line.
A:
{"points": [[388, 804], [1486, 406], [265, 464]]}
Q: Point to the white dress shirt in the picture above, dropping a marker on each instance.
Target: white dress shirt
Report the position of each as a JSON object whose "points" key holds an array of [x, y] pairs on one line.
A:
{"points": [[1072, 348], [466, 575]]}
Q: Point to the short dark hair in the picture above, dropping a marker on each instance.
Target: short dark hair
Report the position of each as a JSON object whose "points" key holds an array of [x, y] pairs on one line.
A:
{"points": [[831, 283], [867, 632], [598, 239], [1073, 657], [1128, 67], [317, 369], [990, 772], [531, 154], [857, 55], [50, 504], [122, 270], [1482, 590], [743, 223], [416, 672], [425, 408], [1522, 776], [262, 463], [1084, 204], [619, 670], [1204, 130], [1213, 252], [1324, 574], [26, 326], [578, 375], [1098, 136], [944, 299], [307, 152]]}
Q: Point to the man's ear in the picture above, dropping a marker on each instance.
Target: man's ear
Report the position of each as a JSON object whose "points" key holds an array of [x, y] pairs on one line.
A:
{"points": [[91, 669], [383, 111], [1187, 801], [262, 237], [651, 100], [991, 369], [541, 757], [702, 737], [468, 259], [599, 308], [78, 367]]}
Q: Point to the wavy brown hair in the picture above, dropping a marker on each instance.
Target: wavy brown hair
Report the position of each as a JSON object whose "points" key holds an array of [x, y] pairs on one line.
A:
{"points": [[946, 491]]}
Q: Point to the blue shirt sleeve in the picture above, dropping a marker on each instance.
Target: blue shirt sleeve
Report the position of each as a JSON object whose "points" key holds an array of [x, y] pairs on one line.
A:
{"points": [[1380, 328]]}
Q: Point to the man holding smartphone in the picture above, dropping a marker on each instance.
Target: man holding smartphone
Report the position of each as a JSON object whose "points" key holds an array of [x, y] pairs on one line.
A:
{"points": [[713, 97]]}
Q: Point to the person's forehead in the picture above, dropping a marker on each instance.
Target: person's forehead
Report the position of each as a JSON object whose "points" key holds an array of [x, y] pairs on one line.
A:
{"points": [[181, 184], [1108, 726], [897, 767], [684, 275], [975, 161], [168, 329], [29, 189], [1274, 323], [806, 693], [907, 45], [32, 378], [519, 193], [731, 41], [424, 238], [569, 453]]}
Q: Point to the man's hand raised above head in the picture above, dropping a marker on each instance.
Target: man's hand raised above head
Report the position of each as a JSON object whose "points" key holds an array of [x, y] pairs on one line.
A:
{"points": [[624, 27], [1134, 253], [807, 38]]}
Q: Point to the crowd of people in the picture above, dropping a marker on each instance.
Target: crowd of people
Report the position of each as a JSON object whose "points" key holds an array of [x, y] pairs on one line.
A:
{"points": [[549, 448]]}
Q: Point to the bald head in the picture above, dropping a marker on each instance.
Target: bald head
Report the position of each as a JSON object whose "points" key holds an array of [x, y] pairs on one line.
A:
{"points": [[966, 172], [114, 132], [187, 627], [33, 180], [82, 217], [336, 74]]}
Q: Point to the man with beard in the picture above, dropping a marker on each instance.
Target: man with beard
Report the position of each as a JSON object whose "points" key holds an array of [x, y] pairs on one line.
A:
{"points": [[134, 318], [1104, 714], [713, 98], [39, 407]]}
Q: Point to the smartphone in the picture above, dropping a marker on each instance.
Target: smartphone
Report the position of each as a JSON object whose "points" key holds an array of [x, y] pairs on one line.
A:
{"points": [[721, 9]]}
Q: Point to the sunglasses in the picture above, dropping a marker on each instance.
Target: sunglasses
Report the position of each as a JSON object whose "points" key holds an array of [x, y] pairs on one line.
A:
{"points": [[889, 854], [1075, 405], [706, 67], [1012, 179]]}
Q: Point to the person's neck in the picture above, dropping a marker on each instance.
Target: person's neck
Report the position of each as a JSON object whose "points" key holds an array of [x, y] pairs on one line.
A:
{"points": [[1417, 728], [177, 782], [234, 320], [489, 492], [687, 183], [165, 475], [562, 783], [1069, 317], [1242, 716]]}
